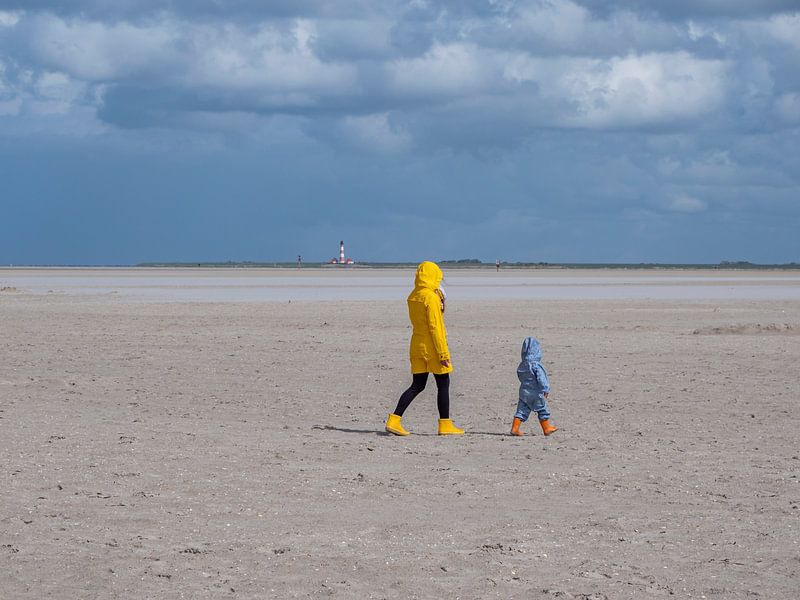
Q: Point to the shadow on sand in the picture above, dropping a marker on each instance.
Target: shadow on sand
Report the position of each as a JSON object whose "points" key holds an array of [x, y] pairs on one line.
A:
{"points": [[387, 434], [349, 430]]}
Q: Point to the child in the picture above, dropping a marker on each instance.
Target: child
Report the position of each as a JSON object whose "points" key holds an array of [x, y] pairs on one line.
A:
{"points": [[533, 388]]}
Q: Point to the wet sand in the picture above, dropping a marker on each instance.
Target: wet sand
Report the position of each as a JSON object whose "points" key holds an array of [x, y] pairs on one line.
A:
{"points": [[346, 283], [235, 450]]}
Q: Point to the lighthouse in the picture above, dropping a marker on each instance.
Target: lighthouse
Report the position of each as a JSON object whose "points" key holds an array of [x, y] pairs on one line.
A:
{"points": [[342, 260]]}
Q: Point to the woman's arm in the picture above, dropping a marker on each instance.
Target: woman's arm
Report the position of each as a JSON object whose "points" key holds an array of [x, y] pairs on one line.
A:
{"points": [[436, 328]]}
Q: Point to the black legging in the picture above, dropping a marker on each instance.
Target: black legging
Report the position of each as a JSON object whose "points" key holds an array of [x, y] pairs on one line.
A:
{"points": [[418, 384]]}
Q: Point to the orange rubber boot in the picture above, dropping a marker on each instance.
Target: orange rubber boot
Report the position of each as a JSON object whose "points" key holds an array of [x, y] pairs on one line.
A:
{"points": [[515, 427], [547, 427]]}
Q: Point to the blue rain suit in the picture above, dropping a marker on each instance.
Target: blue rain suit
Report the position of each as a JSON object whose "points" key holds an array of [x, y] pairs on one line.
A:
{"points": [[533, 382]]}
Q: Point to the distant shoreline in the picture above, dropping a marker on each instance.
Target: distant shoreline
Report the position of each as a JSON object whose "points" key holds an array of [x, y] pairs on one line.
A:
{"points": [[467, 265]]}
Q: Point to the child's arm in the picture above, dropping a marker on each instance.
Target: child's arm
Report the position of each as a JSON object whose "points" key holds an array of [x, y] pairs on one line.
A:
{"points": [[541, 376]]}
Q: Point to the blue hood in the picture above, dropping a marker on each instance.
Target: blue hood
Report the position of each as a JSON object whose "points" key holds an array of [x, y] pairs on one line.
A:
{"points": [[531, 350]]}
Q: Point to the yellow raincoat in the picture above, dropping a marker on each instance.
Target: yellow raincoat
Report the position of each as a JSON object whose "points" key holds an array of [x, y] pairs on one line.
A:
{"points": [[429, 338]]}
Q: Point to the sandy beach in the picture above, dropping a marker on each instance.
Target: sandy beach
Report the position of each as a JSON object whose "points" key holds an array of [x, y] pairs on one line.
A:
{"points": [[159, 446]]}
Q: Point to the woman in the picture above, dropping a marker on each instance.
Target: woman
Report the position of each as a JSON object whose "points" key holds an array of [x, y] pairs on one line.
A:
{"points": [[428, 351]]}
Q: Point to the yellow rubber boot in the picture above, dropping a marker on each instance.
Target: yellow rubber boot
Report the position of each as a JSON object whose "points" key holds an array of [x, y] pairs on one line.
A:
{"points": [[446, 427], [394, 426], [515, 426], [547, 427]]}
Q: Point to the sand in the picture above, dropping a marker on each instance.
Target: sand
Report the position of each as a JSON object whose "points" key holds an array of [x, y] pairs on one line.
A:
{"points": [[236, 450], [344, 283]]}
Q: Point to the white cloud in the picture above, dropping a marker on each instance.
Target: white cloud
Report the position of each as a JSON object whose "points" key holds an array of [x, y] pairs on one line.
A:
{"points": [[376, 132], [787, 107], [649, 89], [10, 100], [46, 102], [10, 107], [449, 69], [276, 66], [566, 28], [627, 91], [720, 169], [58, 86], [785, 28], [353, 38], [698, 31], [712, 167], [687, 204], [558, 21], [10, 18], [550, 63], [96, 51], [268, 60], [56, 93], [667, 166]]}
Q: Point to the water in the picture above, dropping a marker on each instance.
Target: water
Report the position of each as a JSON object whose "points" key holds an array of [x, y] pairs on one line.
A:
{"points": [[283, 285]]}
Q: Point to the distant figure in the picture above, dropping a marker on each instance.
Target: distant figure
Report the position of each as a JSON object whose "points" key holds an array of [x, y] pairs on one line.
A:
{"points": [[428, 349], [534, 388], [299, 261], [497, 265]]}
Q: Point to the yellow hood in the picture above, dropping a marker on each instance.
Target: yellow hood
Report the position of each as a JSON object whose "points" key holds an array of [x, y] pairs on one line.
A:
{"points": [[429, 276]]}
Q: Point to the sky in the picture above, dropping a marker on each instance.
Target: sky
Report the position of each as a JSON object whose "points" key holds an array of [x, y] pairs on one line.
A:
{"points": [[542, 130]]}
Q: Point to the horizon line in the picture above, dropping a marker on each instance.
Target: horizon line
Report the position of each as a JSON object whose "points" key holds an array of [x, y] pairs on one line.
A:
{"points": [[461, 263]]}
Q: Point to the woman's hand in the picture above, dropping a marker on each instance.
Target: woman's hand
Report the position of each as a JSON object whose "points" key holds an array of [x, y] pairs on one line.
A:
{"points": [[444, 363], [442, 297]]}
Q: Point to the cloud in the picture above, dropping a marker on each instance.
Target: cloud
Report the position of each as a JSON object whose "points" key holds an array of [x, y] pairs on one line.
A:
{"points": [[560, 23], [698, 31], [375, 133], [629, 91], [354, 39], [153, 71], [28, 95], [555, 63], [445, 70], [264, 57], [201, 10], [687, 9], [556, 113], [267, 61], [10, 106], [647, 89], [9, 18], [785, 29], [687, 204], [556, 28], [56, 93], [10, 98], [787, 108], [423, 9], [96, 51]]}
